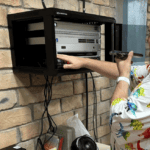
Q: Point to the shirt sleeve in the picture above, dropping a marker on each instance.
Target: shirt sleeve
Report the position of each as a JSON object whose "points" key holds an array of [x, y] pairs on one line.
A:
{"points": [[139, 72]]}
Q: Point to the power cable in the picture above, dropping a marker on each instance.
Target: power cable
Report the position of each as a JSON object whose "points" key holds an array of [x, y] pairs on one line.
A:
{"points": [[94, 111], [95, 100], [86, 101], [43, 3], [83, 6]]}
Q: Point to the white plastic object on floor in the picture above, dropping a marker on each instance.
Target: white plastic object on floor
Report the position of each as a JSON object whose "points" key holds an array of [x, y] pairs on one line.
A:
{"points": [[76, 123], [103, 146]]}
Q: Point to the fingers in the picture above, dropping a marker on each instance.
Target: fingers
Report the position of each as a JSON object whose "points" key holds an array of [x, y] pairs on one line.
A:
{"points": [[116, 59], [130, 55], [63, 57], [69, 66]]}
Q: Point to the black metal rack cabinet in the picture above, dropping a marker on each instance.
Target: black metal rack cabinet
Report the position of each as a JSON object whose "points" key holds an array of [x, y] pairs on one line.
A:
{"points": [[25, 57]]}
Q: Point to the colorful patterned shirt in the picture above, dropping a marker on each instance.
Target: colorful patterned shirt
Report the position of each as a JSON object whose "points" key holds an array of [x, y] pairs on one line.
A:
{"points": [[130, 118]]}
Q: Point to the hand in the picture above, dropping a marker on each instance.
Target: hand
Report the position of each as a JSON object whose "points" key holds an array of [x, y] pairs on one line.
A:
{"points": [[124, 66], [76, 62]]}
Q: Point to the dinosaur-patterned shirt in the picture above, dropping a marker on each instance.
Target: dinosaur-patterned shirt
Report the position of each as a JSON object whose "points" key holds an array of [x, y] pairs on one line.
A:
{"points": [[130, 118]]}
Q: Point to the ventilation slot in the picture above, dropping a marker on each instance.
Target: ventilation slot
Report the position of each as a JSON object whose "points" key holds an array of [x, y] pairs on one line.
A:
{"points": [[82, 40], [76, 33], [86, 41], [90, 41]]}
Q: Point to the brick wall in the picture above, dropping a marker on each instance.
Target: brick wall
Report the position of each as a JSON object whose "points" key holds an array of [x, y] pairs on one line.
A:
{"points": [[22, 95]]}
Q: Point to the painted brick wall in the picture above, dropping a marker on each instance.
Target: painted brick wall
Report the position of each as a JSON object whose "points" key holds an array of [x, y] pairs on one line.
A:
{"points": [[22, 95]]}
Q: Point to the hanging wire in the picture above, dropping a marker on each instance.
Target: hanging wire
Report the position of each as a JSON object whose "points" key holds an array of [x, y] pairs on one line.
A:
{"points": [[43, 3], [94, 110], [52, 129]]}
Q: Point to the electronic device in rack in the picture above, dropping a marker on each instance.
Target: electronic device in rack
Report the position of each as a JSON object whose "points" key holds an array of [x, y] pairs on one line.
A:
{"points": [[73, 39]]}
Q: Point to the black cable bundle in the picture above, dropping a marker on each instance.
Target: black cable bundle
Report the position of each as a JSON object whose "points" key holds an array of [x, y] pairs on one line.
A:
{"points": [[94, 110], [48, 88]]}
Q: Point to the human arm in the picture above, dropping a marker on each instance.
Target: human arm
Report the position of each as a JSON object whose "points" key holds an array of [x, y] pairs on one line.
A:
{"points": [[124, 68], [105, 68], [121, 91]]}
